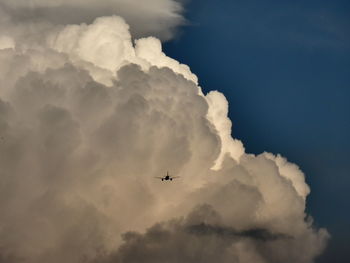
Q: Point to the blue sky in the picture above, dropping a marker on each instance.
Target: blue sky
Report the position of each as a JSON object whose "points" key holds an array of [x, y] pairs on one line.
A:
{"points": [[284, 66]]}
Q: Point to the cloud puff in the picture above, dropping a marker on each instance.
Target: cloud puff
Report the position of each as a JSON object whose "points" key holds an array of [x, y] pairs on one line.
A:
{"points": [[107, 44], [88, 119]]}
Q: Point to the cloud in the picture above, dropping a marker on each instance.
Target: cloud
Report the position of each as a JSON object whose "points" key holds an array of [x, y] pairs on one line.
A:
{"points": [[6, 42], [228, 232], [159, 18], [106, 43], [88, 119], [179, 241]]}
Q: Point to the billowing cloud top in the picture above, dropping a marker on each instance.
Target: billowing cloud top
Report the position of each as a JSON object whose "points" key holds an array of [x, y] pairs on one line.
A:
{"points": [[88, 119]]}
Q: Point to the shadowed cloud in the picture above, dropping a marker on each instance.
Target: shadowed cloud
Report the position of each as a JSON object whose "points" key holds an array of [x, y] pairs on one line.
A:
{"points": [[228, 232]]}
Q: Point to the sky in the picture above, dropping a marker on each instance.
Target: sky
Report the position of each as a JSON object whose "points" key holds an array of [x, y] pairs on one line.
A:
{"points": [[244, 102], [284, 67]]}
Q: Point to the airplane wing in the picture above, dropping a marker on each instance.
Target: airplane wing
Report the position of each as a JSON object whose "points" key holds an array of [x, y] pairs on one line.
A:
{"points": [[159, 177], [174, 177]]}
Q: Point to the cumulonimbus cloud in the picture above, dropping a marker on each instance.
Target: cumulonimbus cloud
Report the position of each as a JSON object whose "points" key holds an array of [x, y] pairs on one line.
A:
{"points": [[88, 119]]}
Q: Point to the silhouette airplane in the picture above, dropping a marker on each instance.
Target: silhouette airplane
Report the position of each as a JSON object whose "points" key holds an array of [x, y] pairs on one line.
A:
{"points": [[167, 177]]}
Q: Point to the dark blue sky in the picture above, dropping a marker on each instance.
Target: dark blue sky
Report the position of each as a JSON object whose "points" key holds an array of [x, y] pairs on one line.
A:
{"points": [[284, 66]]}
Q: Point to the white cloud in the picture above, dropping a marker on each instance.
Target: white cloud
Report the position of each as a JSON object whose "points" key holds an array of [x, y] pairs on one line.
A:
{"points": [[217, 114], [87, 120], [107, 44]]}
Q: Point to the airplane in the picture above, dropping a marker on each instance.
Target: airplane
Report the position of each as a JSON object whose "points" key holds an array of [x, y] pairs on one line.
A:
{"points": [[167, 177]]}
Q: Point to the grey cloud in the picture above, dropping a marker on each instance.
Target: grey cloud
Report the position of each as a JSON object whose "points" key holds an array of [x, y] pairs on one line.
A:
{"points": [[228, 232], [170, 243], [78, 151], [176, 241], [205, 220], [158, 18]]}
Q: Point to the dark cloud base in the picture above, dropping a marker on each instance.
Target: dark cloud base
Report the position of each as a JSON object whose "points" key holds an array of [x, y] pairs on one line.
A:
{"points": [[180, 241]]}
